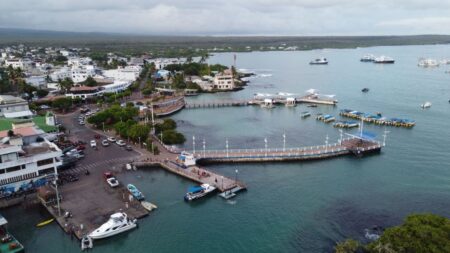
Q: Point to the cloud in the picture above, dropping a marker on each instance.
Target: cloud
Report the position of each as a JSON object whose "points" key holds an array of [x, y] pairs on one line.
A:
{"points": [[256, 17]]}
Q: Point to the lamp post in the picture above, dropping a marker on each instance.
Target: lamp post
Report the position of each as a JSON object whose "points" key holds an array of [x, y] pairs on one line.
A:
{"points": [[103, 126], [204, 147], [326, 144], [162, 138], [139, 137], [226, 145], [193, 144], [265, 144], [235, 178], [284, 142], [340, 140]]}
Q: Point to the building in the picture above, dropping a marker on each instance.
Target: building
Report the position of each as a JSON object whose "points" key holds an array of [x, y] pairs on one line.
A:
{"points": [[14, 107], [18, 63], [36, 81], [61, 74], [84, 92], [128, 73], [161, 63], [224, 80], [117, 86], [80, 74], [23, 168]]}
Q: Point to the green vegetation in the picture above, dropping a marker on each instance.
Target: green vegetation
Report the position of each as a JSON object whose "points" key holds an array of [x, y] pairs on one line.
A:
{"points": [[65, 84], [426, 233], [62, 104], [195, 68], [112, 115], [169, 135], [90, 81]]}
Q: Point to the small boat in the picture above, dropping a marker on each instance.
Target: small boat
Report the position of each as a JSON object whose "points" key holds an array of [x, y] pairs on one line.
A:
{"points": [[305, 114], [319, 61], [197, 192], [117, 223], [368, 58], [311, 105], [426, 105], [384, 60], [86, 243], [149, 206], [45, 222], [135, 192], [365, 90], [428, 63]]}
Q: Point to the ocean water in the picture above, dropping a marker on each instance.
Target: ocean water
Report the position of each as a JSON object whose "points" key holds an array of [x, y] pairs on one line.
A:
{"points": [[302, 206]]}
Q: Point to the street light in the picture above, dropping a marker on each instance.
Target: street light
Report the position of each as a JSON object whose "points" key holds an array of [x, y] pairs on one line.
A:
{"points": [[162, 138], [193, 144], [265, 144], [226, 145], [139, 137], [235, 179], [326, 144], [103, 126], [284, 142], [204, 147]]}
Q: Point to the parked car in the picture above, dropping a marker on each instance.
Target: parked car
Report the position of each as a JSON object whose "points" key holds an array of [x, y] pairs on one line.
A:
{"points": [[105, 143], [93, 144], [121, 143], [81, 147], [111, 139], [107, 175], [81, 123], [112, 181], [129, 148]]}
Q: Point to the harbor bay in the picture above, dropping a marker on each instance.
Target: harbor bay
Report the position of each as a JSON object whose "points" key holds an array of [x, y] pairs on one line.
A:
{"points": [[298, 206]]}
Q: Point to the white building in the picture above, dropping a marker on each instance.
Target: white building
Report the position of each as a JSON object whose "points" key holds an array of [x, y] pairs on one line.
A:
{"points": [[36, 81], [224, 80], [80, 74], [25, 167], [117, 86], [64, 53], [18, 63], [14, 107], [128, 73], [161, 63], [79, 61], [61, 74]]}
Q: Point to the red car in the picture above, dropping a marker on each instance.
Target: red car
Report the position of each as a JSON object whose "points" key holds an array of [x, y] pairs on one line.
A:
{"points": [[107, 175]]}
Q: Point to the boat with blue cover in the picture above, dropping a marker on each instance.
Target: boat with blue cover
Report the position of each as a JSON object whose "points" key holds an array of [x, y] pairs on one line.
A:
{"points": [[135, 192], [197, 192]]}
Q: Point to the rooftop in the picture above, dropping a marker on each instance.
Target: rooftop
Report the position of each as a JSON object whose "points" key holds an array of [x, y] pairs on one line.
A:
{"points": [[8, 99]]}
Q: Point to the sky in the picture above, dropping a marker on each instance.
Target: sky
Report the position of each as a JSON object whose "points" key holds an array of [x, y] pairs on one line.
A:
{"points": [[231, 17]]}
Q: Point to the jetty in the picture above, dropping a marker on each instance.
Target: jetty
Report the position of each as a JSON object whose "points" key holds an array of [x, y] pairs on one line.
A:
{"points": [[377, 119]]}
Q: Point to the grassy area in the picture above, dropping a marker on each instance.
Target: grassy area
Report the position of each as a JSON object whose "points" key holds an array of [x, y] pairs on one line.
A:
{"points": [[6, 124]]}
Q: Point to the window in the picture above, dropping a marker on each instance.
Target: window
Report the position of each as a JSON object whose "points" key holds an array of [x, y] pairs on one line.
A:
{"points": [[46, 171], [11, 169], [2, 171], [45, 162]]}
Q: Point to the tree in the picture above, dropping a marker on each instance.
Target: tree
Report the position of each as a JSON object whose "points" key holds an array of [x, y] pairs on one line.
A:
{"points": [[62, 104], [347, 246], [41, 93], [65, 84], [138, 132], [419, 233], [90, 81], [171, 137]]}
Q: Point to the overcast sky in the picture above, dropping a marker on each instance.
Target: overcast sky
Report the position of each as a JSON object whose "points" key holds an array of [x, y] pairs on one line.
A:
{"points": [[231, 17]]}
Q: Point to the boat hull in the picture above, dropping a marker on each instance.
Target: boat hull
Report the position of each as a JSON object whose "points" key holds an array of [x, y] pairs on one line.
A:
{"points": [[112, 233]]}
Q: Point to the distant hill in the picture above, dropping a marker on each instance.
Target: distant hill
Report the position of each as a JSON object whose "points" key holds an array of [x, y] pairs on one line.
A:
{"points": [[141, 43]]}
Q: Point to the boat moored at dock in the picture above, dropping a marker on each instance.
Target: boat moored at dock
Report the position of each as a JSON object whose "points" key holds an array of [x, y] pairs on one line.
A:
{"points": [[117, 223], [197, 192], [135, 192], [384, 60], [8, 243], [305, 114], [377, 119], [326, 118], [346, 124]]}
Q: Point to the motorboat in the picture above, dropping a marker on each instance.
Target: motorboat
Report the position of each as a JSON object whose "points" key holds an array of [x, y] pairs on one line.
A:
{"points": [[149, 206], [319, 61], [197, 192], [426, 105], [305, 114], [384, 59], [365, 90], [117, 223], [368, 58], [135, 192], [86, 243], [428, 63]]}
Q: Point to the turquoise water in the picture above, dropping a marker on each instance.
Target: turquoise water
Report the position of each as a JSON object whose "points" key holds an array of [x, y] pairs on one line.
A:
{"points": [[295, 207]]}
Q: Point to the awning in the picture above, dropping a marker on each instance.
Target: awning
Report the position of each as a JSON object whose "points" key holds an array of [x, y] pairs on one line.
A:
{"points": [[12, 115]]}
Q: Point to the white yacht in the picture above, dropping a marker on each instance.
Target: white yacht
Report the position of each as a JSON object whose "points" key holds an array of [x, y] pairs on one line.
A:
{"points": [[426, 105], [368, 58], [428, 63], [117, 223], [319, 61], [384, 59], [198, 192]]}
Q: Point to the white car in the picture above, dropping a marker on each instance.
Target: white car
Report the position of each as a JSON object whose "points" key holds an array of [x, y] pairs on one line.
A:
{"points": [[105, 143], [112, 181], [81, 122], [120, 143], [111, 139], [93, 144]]}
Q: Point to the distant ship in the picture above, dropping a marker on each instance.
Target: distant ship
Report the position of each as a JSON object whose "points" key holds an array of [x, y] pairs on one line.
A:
{"points": [[319, 61], [383, 59], [368, 58], [428, 63]]}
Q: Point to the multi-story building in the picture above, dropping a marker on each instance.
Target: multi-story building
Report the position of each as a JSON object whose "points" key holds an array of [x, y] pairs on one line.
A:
{"points": [[224, 80], [18, 63], [14, 107], [24, 168], [128, 73]]}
